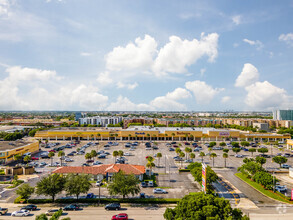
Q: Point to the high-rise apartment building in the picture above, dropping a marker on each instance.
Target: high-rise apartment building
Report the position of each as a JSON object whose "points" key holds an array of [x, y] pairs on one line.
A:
{"points": [[283, 115]]}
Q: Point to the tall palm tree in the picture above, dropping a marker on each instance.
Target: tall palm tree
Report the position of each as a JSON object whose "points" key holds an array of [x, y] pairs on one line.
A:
{"points": [[148, 135], [159, 155], [61, 154], [129, 136], [116, 135], [98, 134], [173, 134], [225, 156], [202, 154], [166, 135], [213, 155], [181, 155], [120, 153], [150, 165], [186, 137], [115, 154], [187, 150], [192, 156], [51, 155], [191, 137]]}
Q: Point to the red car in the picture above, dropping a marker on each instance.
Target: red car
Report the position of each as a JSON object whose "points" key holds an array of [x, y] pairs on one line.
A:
{"points": [[121, 216], [52, 151], [175, 146], [35, 158]]}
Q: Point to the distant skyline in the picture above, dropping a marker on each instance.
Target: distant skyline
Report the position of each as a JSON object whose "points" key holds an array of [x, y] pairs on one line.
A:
{"points": [[84, 55]]}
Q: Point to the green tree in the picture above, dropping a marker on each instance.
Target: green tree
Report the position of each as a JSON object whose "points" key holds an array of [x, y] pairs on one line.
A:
{"points": [[159, 156], [41, 217], [252, 150], [27, 159], [226, 150], [246, 160], [250, 168], [203, 206], [61, 155], [280, 160], [212, 144], [222, 144], [17, 157], [236, 150], [25, 191], [77, 184], [181, 155], [244, 143], [260, 160], [124, 185], [115, 154], [202, 154], [94, 153], [263, 150], [51, 185], [87, 156], [192, 156], [120, 153], [213, 155], [187, 150], [51, 155], [177, 150], [265, 179], [225, 156], [235, 144]]}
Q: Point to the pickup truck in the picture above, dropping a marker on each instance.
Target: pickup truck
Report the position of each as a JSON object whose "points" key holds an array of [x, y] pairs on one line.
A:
{"points": [[3, 211]]}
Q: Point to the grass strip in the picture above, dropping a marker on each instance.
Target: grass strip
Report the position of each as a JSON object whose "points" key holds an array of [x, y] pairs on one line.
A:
{"points": [[261, 189]]}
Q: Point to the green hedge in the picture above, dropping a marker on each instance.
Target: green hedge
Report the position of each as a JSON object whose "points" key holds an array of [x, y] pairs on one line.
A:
{"points": [[105, 200], [184, 170]]}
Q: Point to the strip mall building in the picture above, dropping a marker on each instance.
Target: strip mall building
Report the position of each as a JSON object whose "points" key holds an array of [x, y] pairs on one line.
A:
{"points": [[157, 134]]}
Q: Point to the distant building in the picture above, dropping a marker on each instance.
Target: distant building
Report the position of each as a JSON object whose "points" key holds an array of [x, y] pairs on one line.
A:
{"points": [[283, 115], [261, 126], [78, 116], [103, 121]]}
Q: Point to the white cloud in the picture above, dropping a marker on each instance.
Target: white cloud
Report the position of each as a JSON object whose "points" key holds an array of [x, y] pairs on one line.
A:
{"points": [[104, 79], [225, 99], [237, 19], [258, 44], [129, 86], [178, 93], [202, 92], [176, 55], [264, 95], [202, 72], [133, 56], [248, 76], [287, 38], [4, 7], [124, 104], [85, 54]]}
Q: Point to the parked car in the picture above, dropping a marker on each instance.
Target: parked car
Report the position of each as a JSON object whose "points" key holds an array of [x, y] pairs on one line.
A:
{"points": [[239, 155], [102, 156], [285, 166], [85, 165], [3, 211], [127, 154], [159, 191], [51, 212], [68, 160], [71, 207], [70, 154], [113, 206], [121, 216], [171, 149], [90, 196], [99, 183], [35, 158], [280, 188], [188, 161], [143, 184], [97, 163], [175, 146], [20, 213], [186, 143], [29, 207], [173, 142]]}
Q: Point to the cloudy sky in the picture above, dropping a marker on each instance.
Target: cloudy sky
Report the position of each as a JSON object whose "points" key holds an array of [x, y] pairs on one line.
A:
{"points": [[146, 55]]}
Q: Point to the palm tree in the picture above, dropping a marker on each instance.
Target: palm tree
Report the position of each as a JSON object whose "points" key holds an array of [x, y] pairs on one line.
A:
{"points": [[187, 150], [120, 153], [191, 137], [115, 154], [159, 155], [136, 137], [46, 141], [40, 143], [213, 155], [129, 137], [94, 153], [51, 155], [186, 137], [116, 135], [177, 150], [88, 156], [98, 134], [166, 135], [148, 135], [225, 156], [154, 136], [150, 165], [61, 154], [192, 156], [202, 154], [173, 134], [181, 155]]}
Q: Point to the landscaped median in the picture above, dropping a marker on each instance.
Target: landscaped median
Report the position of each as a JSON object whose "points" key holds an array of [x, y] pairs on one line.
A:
{"points": [[269, 193], [106, 200]]}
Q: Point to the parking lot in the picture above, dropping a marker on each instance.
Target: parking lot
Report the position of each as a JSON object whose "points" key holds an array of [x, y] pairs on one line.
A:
{"points": [[176, 184]]}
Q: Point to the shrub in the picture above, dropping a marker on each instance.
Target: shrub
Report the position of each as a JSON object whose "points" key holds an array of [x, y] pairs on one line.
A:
{"points": [[19, 199], [184, 170]]}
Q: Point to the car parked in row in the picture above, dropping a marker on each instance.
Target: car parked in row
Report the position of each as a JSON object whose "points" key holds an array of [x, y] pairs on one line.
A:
{"points": [[121, 216], [113, 206]]}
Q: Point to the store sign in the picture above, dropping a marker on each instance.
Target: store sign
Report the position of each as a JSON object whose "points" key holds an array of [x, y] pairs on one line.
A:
{"points": [[224, 133], [140, 133], [291, 194], [19, 149], [204, 178]]}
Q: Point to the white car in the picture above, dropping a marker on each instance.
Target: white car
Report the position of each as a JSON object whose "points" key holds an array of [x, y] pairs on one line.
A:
{"points": [[20, 213], [281, 188], [68, 160], [127, 154], [159, 191], [97, 163], [238, 156], [285, 166]]}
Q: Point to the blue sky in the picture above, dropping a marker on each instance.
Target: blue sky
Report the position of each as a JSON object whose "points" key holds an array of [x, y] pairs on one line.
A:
{"points": [[146, 55]]}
